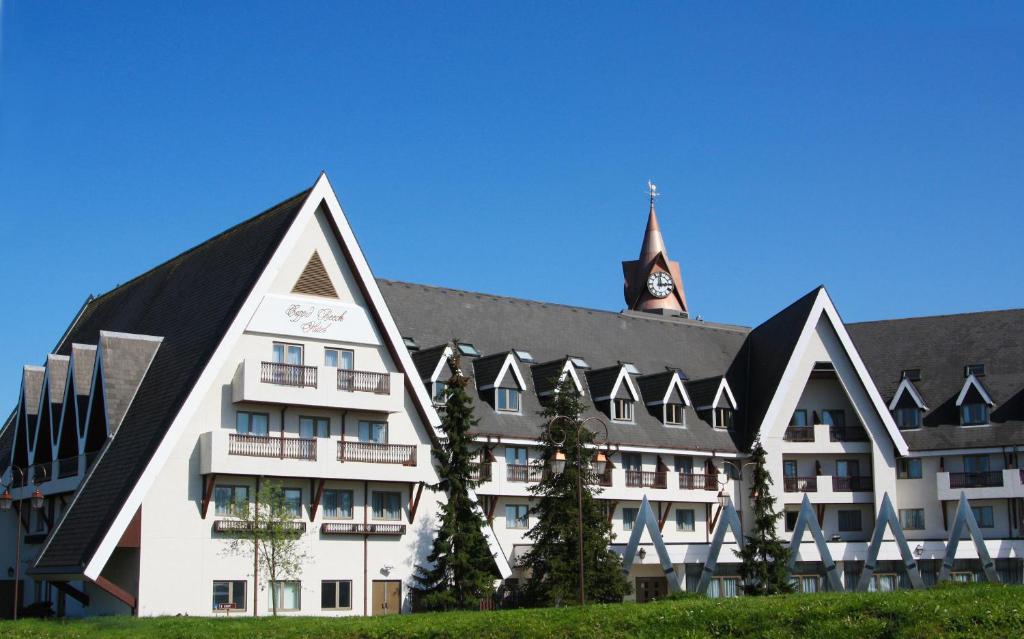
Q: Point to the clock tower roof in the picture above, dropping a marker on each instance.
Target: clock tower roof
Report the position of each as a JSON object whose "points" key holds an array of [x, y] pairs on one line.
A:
{"points": [[654, 243], [645, 292]]}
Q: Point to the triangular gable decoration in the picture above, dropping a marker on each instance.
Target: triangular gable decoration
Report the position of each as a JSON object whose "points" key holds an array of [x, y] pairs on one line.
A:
{"points": [[314, 279], [975, 383], [646, 519], [907, 386], [729, 521], [965, 517], [887, 517], [808, 520]]}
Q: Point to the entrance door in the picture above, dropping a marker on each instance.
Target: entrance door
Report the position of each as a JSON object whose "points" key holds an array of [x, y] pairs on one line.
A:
{"points": [[651, 588], [387, 597]]}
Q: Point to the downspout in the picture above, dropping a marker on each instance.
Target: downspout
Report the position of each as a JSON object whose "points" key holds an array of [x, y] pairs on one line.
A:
{"points": [[366, 575], [256, 558]]}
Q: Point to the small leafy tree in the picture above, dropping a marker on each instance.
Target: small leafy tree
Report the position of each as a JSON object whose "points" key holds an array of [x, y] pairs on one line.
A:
{"points": [[764, 556], [553, 561], [267, 528], [461, 570]]}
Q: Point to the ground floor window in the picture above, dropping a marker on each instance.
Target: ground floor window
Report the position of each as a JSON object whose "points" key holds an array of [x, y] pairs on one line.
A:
{"points": [[807, 583], [962, 577], [724, 587], [229, 595], [335, 595], [228, 500], [286, 594], [884, 582]]}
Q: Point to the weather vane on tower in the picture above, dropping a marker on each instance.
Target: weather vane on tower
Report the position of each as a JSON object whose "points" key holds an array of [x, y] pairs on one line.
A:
{"points": [[652, 189]]}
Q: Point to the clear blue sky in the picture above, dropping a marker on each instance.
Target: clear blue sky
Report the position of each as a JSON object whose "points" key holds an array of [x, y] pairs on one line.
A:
{"points": [[877, 148]]}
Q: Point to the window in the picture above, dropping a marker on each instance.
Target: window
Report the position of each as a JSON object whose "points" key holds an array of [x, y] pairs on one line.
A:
{"points": [[437, 392], [789, 468], [684, 520], [310, 427], [724, 587], [517, 516], [373, 432], [629, 517], [469, 349], [984, 516], [723, 418], [913, 374], [516, 455], [908, 468], [247, 423], [684, 464], [887, 582], [833, 417], [337, 504], [912, 518], [410, 343], [907, 417], [339, 358], [228, 595], [228, 499], [387, 505], [978, 370], [974, 414], [961, 577], [335, 595], [631, 368], [791, 516], [293, 501], [806, 583], [847, 468], [288, 353], [632, 461], [285, 594], [976, 463], [799, 418], [849, 520], [674, 414], [579, 362], [622, 410], [525, 356], [508, 400]]}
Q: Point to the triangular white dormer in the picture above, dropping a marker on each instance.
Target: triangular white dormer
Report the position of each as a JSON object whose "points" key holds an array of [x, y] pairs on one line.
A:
{"points": [[973, 382], [907, 386], [623, 384], [508, 372], [675, 389], [569, 370]]}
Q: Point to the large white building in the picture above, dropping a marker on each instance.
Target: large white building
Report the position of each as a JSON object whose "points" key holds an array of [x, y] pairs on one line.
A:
{"points": [[271, 353]]}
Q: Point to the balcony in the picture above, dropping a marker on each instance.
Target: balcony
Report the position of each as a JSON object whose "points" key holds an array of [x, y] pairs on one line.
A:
{"points": [[852, 484], [800, 484], [272, 447], [482, 472], [646, 478], [321, 386], [527, 473], [239, 526], [374, 453], [344, 528], [604, 479], [847, 434], [691, 481], [826, 439], [986, 479], [799, 434], [995, 484]]}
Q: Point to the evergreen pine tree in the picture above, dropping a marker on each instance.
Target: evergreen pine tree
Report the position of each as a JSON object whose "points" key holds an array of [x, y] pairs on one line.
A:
{"points": [[553, 561], [461, 568], [764, 555]]}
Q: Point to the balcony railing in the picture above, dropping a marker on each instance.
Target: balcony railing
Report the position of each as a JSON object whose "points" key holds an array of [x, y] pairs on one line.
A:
{"points": [[364, 381], [273, 447], [697, 481], [344, 528], [799, 434], [646, 478], [800, 484], [847, 434], [524, 472], [374, 453], [288, 374], [240, 526], [604, 479], [852, 484], [985, 479], [482, 472]]}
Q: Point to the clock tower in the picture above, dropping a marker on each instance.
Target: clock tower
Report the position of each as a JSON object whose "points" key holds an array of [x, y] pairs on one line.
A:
{"points": [[652, 283]]}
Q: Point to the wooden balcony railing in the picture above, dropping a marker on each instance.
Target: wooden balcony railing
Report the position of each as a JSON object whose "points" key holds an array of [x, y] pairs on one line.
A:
{"points": [[288, 374], [799, 434], [852, 484], [604, 479], [345, 528], [272, 447], [239, 526], [847, 434], [482, 472], [374, 453], [646, 478], [987, 479], [364, 381], [692, 481], [800, 484], [524, 472]]}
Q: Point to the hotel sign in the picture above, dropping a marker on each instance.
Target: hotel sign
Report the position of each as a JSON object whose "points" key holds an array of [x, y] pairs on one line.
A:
{"points": [[302, 317]]}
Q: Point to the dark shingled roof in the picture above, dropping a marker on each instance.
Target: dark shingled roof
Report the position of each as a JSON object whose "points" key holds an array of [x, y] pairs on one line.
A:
{"points": [[941, 346], [486, 369], [602, 380], [545, 375], [654, 386], [189, 301], [702, 391], [426, 360]]}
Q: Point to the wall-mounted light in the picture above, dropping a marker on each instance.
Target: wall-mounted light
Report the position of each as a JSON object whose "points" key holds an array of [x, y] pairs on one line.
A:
{"points": [[919, 550], [642, 554]]}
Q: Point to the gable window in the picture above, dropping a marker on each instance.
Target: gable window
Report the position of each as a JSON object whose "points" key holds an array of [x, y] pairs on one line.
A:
{"points": [[799, 418], [387, 505], [622, 410], [339, 358], [373, 432], [310, 427], [229, 595], [978, 370], [337, 504], [984, 516], [437, 392], [247, 423], [335, 595], [629, 516], [833, 417], [293, 501], [674, 414], [517, 516], [974, 414], [684, 520], [508, 400], [912, 519], [228, 500], [849, 521], [907, 417], [724, 418], [908, 468], [288, 353], [285, 594]]}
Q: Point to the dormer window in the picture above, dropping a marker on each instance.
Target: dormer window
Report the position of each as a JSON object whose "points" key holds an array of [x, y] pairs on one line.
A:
{"points": [[508, 400], [675, 414], [631, 368], [468, 349], [907, 417], [437, 392], [622, 410], [913, 374], [974, 402], [974, 414], [978, 370], [525, 356], [724, 418], [579, 362]]}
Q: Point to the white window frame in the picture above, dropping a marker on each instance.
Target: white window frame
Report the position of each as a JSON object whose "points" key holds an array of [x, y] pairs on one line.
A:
{"points": [[675, 407], [276, 589], [339, 358], [621, 405], [503, 396], [285, 346]]}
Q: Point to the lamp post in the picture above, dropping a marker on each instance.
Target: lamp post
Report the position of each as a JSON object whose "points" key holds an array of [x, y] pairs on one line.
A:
{"points": [[6, 502], [558, 435]]}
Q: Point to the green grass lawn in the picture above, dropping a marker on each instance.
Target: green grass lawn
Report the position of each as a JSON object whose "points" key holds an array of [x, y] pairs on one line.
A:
{"points": [[978, 612]]}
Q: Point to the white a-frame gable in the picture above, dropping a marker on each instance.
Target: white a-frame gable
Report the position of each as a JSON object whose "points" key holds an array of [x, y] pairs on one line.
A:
{"points": [[623, 378], [975, 383], [508, 367], [907, 386], [675, 385]]}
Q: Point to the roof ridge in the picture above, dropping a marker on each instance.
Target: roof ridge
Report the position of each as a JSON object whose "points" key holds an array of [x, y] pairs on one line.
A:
{"points": [[922, 317]]}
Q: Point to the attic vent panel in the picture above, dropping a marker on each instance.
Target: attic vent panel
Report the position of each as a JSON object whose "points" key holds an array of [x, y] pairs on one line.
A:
{"points": [[525, 356], [631, 368], [468, 349], [579, 362], [978, 370], [913, 374], [314, 279]]}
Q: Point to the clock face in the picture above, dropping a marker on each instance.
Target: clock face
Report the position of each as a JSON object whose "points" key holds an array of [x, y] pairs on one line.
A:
{"points": [[659, 284]]}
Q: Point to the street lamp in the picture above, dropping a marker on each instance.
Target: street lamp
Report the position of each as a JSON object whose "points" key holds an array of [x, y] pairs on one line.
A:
{"points": [[558, 435], [6, 503]]}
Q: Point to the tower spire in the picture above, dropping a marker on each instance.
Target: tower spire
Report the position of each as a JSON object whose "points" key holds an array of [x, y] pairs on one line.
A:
{"points": [[652, 282]]}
